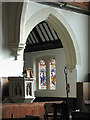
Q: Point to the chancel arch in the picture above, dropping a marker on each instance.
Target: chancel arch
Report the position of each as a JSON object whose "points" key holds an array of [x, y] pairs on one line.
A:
{"points": [[64, 31]]}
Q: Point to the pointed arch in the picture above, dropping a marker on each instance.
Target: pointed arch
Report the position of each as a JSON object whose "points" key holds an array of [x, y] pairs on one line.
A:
{"points": [[64, 31]]}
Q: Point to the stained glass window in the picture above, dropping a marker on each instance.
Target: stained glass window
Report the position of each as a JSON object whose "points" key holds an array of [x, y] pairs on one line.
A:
{"points": [[53, 74], [42, 74]]}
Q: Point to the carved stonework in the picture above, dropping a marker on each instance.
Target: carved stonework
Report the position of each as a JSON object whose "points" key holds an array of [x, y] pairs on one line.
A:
{"points": [[16, 49], [21, 89], [29, 88]]}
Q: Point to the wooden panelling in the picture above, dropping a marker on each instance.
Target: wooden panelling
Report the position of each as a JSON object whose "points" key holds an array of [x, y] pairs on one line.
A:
{"points": [[5, 87], [83, 96]]}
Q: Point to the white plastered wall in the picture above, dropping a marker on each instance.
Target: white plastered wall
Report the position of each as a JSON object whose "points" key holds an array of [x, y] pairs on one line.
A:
{"points": [[9, 66], [30, 61], [64, 31], [78, 24]]}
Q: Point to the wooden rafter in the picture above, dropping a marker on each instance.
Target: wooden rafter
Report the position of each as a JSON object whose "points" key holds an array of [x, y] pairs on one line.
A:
{"points": [[33, 37], [35, 42], [50, 30], [42, 33], [46, 31], [45, 46], [37, 35]]}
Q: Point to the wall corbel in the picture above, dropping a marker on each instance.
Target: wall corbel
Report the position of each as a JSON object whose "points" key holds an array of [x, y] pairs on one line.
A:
{"points": [[16, 49]]}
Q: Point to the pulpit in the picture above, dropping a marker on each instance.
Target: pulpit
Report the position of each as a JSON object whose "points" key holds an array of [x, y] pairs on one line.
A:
{"points": [[21, 89]]}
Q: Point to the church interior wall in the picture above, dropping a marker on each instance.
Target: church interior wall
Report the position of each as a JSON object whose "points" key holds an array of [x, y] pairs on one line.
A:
{"points": [[10, 66], [79, 25], [60, 76], [89, 43]]}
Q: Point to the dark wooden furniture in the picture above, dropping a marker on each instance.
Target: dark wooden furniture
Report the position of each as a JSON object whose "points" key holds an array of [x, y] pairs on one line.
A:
{"points": [[83, 95], [72, 101], [57, 110], [80, 115], [48, 110]]}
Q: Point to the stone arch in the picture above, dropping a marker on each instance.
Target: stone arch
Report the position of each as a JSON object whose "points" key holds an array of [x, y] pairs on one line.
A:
{"points": [[64, 31], [22, 25]]}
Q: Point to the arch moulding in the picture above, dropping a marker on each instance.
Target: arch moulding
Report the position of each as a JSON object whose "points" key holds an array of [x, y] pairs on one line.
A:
{"points": [[64, 31]]}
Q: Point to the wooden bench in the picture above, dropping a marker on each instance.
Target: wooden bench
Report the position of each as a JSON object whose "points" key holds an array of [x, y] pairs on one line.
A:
{"points": [[80, 115]]}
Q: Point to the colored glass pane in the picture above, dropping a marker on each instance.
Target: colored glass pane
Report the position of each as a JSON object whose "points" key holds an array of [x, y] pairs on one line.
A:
{"points": [[53, 74], [42, 74]]}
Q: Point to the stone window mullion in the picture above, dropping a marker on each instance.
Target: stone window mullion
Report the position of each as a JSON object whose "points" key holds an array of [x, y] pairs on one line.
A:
{"points": [[48, 74]]}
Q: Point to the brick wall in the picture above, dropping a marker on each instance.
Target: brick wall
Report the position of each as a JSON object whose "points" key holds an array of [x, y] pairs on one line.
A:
{"points": [[19, 110], [83, 5]]}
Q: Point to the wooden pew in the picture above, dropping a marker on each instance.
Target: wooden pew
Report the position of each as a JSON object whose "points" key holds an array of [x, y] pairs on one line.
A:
{"points": [[80, 115]]}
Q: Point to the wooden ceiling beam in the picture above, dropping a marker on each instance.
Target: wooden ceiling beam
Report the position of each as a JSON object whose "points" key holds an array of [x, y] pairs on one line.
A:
{"points": [[30, 39], [33, 37], [45, 46], [42, 33], [46, 31], [37, 35], [50, 30]]}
